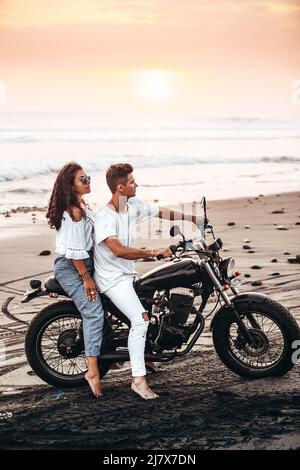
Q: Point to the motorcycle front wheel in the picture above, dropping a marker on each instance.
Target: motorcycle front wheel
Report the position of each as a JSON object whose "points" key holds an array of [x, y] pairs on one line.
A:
{"points": [[273, 329], [54, 346]]}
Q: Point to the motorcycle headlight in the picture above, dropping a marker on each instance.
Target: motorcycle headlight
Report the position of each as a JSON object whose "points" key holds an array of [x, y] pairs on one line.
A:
{"points": [[227, 267]]}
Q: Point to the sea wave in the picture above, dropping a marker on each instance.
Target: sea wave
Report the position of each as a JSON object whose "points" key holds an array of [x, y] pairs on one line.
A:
{"points": [[192, 138], [26, 131], [28, 169]]}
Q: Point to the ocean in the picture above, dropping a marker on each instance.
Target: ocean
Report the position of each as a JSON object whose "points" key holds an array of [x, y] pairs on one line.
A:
{"points": [[175, 159]]}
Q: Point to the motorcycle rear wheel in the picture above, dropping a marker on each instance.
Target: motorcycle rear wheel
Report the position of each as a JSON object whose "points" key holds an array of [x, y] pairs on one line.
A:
{"points": [[55, 325], [272, 355]]}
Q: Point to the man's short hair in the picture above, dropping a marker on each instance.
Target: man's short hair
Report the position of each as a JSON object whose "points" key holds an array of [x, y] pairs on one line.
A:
{"points": [[118, 174]]}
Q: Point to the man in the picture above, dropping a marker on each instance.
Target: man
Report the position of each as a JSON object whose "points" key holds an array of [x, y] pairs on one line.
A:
{"points": [[115, 227]]}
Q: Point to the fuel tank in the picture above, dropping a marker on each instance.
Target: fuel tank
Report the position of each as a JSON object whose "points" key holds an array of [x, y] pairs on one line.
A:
{"points": [[176, 273]]}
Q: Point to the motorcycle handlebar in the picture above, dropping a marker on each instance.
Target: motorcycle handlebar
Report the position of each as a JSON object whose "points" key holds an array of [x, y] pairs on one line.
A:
{"points": [[173, 248]]}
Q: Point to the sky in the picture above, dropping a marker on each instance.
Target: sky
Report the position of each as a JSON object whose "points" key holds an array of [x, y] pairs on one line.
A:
{"points": [[151, 57]]}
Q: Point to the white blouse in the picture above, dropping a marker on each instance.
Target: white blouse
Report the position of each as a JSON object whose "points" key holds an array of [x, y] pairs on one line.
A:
{"points": [[75, 239]]}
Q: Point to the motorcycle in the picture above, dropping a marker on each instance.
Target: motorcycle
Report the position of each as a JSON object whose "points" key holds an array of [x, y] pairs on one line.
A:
{"points": [[252, 334]]}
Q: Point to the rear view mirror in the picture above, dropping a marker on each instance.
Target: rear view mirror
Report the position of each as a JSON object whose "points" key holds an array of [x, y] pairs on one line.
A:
{"points": [[175, 230]]}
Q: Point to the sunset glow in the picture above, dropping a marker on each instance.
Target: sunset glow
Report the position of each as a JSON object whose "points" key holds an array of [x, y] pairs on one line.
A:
{"points": [[155, 85], [210, 57]]}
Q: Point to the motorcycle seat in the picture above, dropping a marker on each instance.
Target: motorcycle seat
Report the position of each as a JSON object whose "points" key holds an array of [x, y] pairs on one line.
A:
{"points": [[52, 286]]}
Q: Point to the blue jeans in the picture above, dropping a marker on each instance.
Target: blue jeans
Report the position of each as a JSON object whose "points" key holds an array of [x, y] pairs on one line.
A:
{"points": [[92, 312]]}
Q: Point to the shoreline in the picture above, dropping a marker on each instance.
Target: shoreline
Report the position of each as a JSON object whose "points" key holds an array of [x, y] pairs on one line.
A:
{"points": [[43, 208], [170, 184]]}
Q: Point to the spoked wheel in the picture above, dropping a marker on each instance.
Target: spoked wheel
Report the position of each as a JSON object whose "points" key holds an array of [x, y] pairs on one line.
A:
{"points": [[54, 346], [273, 331]]}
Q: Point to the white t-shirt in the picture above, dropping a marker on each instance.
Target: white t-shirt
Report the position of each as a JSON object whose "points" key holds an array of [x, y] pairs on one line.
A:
{"points": [[75, 239], [109, 269]]}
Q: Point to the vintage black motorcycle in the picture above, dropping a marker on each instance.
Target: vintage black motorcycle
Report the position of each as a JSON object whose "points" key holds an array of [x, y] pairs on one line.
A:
{"points": [[252, 334]]}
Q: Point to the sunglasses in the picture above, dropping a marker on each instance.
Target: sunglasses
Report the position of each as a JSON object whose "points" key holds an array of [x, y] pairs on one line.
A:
{"points": [[85, 179]]}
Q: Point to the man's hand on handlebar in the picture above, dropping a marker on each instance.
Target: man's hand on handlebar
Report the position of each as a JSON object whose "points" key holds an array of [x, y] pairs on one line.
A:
{"points": [[163, 253], [199, 220], [200, 223]]}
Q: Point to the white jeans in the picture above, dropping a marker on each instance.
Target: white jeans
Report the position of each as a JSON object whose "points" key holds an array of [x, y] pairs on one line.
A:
{"points": [[125, 299]]}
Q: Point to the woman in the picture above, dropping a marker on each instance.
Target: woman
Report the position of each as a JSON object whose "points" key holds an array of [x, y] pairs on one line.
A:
{"points": [[73, 267]]}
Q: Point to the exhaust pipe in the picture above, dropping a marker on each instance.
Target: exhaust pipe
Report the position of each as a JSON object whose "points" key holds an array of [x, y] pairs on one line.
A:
{"points": [[124, 357]]}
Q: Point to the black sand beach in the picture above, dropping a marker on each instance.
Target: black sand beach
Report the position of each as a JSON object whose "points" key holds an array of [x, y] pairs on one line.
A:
{"points": [[202, 405]]}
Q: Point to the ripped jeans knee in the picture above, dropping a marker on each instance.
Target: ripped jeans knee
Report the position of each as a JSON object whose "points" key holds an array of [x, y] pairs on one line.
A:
{"points": [[140, 326], [145, 316]]}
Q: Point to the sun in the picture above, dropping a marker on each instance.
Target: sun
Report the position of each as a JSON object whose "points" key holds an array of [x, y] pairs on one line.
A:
{"points": [[155, 84]]}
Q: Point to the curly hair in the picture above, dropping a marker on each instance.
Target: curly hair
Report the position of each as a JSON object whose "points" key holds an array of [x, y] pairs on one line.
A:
{"points": [[63, 195]]}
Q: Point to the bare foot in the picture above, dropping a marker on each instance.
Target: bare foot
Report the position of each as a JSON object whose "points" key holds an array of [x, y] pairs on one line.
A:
{"points": [[94, 383], [143, 389]]}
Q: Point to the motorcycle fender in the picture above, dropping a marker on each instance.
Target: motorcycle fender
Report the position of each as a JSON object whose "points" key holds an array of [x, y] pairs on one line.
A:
{"points": [[33, 294], [248, 297]]}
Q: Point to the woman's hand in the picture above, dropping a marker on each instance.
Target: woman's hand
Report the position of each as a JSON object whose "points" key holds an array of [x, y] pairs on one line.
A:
{"points": [[90, 289]]}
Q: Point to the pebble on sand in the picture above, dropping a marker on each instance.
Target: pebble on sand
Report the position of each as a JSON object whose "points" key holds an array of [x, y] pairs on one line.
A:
{"points": [[275, 274], [282, 227], [256, 283], [247, 247], [247, 275], [286, 253], [274, 260], [251, 251], [295, 260], [45, 253], [230, 224], [278, 212], [247, 226], [255, 266]]}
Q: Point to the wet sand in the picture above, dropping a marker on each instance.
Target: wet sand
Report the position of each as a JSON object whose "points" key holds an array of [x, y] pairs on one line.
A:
{"points": [[202, 405]]}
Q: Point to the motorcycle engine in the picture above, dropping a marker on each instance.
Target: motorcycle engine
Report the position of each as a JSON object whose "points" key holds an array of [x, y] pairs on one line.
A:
{"points": [[171, 331], [180, 306]]}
